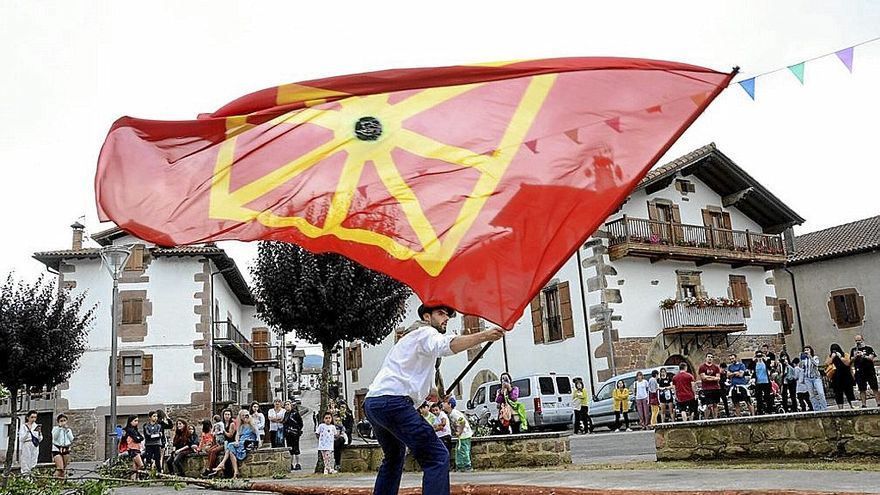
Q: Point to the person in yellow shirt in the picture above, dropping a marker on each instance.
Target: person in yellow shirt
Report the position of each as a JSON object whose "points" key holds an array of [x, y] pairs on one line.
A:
{"points": [[580, 402], [620, 405]]}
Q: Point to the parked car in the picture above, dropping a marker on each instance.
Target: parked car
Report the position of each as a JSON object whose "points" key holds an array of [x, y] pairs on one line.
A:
{"points": [[601, 412], [546, 397]]}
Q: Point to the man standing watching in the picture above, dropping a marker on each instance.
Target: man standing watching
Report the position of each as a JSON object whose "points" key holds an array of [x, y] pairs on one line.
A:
{"points": [[405, 379], [684, 392], [863, 357], [739, 392], [710, 381]]}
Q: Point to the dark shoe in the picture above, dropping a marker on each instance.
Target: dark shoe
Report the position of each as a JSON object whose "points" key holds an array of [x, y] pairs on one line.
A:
{"points": [[297, 468]]}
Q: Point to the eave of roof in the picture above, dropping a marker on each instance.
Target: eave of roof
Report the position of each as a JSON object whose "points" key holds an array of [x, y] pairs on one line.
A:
{"points": [[849, 239], [233, 277], [726, 178]]}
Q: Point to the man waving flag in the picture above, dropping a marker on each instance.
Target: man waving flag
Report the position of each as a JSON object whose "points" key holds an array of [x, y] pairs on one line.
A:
{"points": [[472, 184]]}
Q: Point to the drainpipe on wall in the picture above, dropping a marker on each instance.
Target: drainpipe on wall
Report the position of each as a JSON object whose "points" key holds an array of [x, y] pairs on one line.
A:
{"points": [[797, 306], [586, 324]]}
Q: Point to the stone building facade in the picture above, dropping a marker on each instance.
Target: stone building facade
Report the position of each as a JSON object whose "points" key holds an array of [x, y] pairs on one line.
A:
{"points": [[695, 229], [189, 341], [830, 291]]}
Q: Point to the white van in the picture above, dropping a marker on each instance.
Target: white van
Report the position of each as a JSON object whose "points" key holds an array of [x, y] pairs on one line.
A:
{"points": [[546, 396]]}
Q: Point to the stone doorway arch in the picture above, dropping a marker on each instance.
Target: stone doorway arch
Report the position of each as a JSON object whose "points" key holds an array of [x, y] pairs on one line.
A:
{"points": [[675, 360], [480, 378]]}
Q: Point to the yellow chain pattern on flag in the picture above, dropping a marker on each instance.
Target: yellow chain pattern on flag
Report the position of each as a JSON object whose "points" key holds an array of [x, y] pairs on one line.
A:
{"points": [[226, 204]]}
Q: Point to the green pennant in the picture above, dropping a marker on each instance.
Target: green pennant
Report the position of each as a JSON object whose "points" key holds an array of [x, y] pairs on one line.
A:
{"points": [[798, 71]]}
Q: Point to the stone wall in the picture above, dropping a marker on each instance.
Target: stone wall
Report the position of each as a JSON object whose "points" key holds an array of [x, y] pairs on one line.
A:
{"points": [[848, 432], [261, 463], [525, 450]]}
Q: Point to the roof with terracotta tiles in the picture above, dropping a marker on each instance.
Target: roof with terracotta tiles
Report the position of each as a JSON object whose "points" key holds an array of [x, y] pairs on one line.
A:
{"points": [[843, 240]]}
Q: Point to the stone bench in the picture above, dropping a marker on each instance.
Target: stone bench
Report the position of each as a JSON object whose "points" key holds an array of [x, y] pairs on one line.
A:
{"points": [[523, 450], [260, 463], [847, 432]]}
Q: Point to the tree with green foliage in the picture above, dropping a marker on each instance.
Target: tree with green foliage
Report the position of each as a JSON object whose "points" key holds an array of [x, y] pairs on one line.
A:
{"points": [[325, 299], [42, 337]]}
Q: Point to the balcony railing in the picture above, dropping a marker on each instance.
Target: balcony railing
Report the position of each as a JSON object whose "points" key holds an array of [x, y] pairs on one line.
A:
{"points": [[233, 343], [684, 318], [41, 402], [656, 239], [229, 392]]}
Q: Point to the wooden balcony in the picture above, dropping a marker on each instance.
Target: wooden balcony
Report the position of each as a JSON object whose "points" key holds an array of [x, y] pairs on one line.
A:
{"points": [[676, 241], [265, 355], [682, 318], [233, 343]]}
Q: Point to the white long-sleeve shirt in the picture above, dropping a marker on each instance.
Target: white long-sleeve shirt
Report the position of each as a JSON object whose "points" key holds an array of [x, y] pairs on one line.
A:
{"points": [[408, 369]]}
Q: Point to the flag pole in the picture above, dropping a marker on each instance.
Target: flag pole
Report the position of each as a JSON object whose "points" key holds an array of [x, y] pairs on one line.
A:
{"points": [[466, 369]]}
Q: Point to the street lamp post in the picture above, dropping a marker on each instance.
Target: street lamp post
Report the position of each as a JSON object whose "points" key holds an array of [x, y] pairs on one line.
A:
{"points": [[114, 257]]}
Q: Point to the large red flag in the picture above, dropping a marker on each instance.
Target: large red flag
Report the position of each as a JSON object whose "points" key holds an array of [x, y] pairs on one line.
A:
{"points": [[471, 184]]}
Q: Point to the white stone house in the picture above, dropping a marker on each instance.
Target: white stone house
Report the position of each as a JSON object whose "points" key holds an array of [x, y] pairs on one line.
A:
{"points": [[699, 226], [188, 340]]}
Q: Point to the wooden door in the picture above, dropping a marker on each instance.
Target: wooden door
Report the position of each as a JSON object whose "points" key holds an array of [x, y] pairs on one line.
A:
{"points": [[260, 341], [260, 385]]}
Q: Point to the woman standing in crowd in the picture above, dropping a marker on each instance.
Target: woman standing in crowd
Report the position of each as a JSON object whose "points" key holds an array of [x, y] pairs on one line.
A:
{"points": [[838, 370], [62, 439], [640, 387], [653, 397], [167, 425], [620, 404], [29, 437], [667, 400], [511, 410], [259, 421], [276, 424], [237, 451], [580, 402], [293, 428], [133, 441], [184, 444], [813, 379]]}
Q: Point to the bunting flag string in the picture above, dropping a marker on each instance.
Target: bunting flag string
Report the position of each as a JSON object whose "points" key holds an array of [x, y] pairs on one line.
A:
{"points": [[845, 56]]}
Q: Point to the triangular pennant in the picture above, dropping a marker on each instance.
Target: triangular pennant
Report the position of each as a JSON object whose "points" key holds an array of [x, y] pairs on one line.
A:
{"points": [[655, 109], [846, 56], [573, 135], [614, 123], [798, 71], [749, 86], [532, 145], [699, 98]]}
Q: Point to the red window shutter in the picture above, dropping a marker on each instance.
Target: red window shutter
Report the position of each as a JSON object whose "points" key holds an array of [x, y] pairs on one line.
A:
{"points": [[565, 310], [147, 369], [537, 320]]}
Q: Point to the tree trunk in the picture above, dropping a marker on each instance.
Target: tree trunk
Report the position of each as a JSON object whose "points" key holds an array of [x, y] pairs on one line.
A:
{"points": [[325, 394], [325, 379], [13, 432]]}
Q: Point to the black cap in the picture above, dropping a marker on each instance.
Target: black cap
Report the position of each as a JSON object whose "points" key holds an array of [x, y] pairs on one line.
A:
{"points": [[430, 309]]}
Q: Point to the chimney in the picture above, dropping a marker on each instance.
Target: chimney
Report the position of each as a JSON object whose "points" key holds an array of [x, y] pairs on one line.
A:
{"points": [[77, 236], [789, 239]]}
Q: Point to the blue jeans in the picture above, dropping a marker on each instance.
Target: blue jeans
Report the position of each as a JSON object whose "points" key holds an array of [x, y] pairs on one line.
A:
{"points": [[397, 425]]}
